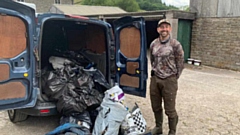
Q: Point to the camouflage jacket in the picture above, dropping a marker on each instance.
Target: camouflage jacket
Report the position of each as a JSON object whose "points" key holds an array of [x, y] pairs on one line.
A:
{"points": [[166, 58]]}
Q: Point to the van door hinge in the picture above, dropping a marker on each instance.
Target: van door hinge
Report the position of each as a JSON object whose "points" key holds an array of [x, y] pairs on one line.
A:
{"points": [[36, 54], [112, 52]]}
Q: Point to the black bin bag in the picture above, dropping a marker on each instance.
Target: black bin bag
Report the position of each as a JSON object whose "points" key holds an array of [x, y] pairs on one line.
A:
{"points": [[70, 103], [82, 119], [90, 97], [56, 83]]}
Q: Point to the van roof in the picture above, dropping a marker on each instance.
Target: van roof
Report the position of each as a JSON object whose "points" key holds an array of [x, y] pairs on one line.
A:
{"points": [[32, 5]]}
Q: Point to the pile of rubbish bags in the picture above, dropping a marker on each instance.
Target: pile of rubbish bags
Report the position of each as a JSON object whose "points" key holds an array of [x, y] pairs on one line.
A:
{"points": [[86, 101]]}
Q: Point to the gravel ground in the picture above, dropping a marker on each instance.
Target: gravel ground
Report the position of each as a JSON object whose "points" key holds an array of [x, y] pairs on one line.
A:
{"points": [[208, 103]]}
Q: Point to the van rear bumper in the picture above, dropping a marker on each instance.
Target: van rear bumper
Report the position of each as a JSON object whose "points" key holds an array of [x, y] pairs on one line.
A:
{"points": [[41, 109]]}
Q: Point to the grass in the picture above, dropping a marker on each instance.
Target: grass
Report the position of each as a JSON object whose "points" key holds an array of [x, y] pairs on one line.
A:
{"points": [[77, 1]]}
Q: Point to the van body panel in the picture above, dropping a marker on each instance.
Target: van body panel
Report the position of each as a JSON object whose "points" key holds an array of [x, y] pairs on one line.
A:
{"points": [[131, 55], [17, 63]]}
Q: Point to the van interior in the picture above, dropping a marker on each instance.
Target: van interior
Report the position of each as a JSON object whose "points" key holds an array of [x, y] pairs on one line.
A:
{"points": [[60, 36], [65, 35]]}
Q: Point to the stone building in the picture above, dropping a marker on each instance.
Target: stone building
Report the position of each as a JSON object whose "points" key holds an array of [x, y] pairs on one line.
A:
{"points": [[216, 33]]}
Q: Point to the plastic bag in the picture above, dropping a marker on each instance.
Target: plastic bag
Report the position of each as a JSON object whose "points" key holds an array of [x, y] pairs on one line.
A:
{"points": [[90, 97], [110, 116], [82, 119], [98, 77], [115, 94], [56, 84], [78, 100], [70, 103], [84, 80], [94, 113], [58, 62]]}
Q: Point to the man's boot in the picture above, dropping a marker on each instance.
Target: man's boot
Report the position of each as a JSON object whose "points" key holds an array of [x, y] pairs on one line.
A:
{"points": [[172, 123], [157, 130]]}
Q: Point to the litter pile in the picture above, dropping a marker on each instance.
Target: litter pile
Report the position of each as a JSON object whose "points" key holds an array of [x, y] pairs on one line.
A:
{"points": [[86, 101]]}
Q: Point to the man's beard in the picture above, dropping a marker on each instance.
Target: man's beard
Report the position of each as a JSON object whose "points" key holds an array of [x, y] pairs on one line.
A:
{"points": [[164, 34]]}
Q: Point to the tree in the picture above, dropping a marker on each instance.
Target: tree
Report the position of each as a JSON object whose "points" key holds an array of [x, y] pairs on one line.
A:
{"points": [[151, 5], [131, 5], [127, 5], [98, 2]]}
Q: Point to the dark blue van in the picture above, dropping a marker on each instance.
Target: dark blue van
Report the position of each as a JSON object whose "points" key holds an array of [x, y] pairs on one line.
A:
{"points": [[27, 42]]}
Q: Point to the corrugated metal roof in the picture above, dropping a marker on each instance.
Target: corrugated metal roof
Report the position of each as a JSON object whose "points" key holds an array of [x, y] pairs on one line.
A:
{"points": [[88, 10]]}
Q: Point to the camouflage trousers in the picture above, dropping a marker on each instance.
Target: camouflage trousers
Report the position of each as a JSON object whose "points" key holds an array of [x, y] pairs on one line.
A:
{"points": [[164, 90]]}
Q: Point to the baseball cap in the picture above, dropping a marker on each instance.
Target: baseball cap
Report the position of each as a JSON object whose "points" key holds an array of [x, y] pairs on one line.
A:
{"points": [[164, 21]]}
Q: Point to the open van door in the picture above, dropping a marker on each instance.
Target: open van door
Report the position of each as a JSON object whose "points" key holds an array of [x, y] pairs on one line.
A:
{"points": [[17, 28], [131, 55]]}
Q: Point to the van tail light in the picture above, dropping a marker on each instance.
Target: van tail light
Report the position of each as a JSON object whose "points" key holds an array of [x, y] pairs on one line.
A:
{"points": [[45, 111]]}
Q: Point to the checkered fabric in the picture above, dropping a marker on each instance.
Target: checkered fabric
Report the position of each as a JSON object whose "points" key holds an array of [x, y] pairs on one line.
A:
{"points": [[139, 121]]}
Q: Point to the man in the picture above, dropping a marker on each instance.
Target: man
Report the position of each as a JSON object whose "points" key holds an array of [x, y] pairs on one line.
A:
{"points": [[167, 59]]}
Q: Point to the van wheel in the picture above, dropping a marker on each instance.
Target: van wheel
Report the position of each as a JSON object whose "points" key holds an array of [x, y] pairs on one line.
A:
{"points": [[16, 116]]}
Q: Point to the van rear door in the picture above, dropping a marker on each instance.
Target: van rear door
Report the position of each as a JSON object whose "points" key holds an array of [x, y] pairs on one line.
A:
{"points": [[131, 55], [17, 28]]}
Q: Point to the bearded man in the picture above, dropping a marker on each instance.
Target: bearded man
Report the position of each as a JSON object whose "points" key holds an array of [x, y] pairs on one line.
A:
{"points": [[167, 58]]}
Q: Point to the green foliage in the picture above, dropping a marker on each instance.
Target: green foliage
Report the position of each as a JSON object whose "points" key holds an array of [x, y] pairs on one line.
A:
{"points": [[127, 5], [98, 2], [131, 5], [151, 5], [77, 1]]}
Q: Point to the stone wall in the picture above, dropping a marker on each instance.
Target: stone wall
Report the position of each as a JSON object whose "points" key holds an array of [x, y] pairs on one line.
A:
{"points": [[215, 8], [216, 42], [44, 5]]}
